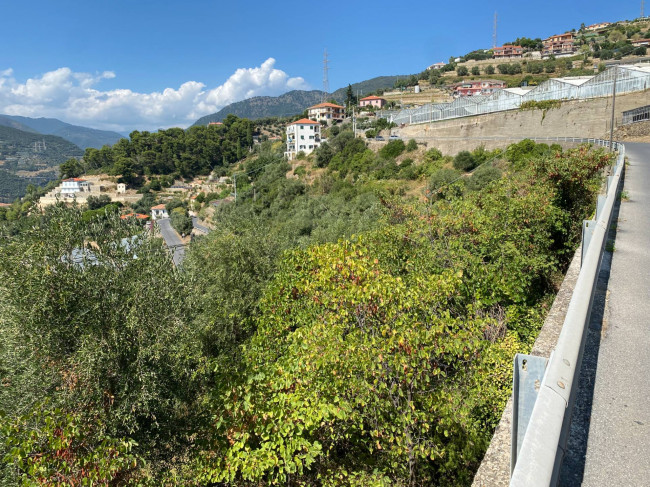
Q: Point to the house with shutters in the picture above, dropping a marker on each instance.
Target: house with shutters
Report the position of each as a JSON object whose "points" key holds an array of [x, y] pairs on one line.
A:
{"points": [[302, 136]]}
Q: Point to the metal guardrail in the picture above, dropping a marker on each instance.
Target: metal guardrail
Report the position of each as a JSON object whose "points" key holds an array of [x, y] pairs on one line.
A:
{"points": [[537, 459]]}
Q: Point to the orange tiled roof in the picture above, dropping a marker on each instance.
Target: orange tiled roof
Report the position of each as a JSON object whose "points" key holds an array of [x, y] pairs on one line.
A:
{"points": [[304, 121], [158, 207], [78, 180], [139, 216], [371, 97], [325, 105]]}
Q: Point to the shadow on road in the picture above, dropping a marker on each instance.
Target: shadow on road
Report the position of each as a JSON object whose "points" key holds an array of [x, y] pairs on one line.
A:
{"points": [[573, 466]]}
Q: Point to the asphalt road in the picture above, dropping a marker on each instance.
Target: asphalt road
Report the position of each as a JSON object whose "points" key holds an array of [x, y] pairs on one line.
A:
{"points": [[172, 239], [195, 222], [614, 423]]}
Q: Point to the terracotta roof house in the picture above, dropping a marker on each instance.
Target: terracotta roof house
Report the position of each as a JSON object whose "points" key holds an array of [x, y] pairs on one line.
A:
{"points": [[159, 211], [71, 186], [372, 101], [327, 112], [558, 45], [139, 216], [508, 51], [477, 87], [302, 136]]}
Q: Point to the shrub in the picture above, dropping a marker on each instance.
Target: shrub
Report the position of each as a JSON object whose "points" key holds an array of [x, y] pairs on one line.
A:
{"points": [[393, 149], [462, 71], [482, 177], [411, 145], [445, 183], [464, 161]]}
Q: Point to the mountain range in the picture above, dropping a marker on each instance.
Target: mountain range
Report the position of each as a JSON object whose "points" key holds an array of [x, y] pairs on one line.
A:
{"points": [[293, 102], [82, 137]]}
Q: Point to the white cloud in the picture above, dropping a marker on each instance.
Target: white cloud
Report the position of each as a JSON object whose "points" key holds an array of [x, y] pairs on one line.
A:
{"points": [[74, 98]]}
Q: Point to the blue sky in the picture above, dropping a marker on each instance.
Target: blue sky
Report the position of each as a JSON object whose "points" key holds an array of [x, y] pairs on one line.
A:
{"points": [[122, 65]]}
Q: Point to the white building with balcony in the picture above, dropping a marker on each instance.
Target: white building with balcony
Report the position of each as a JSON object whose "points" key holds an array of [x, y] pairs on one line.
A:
{"points": [[302, 136], [70, 187], [326, 112]]}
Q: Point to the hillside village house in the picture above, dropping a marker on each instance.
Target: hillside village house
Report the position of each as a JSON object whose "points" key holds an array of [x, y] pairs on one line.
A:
{"points": [[372, 101], [477, 87], [158, 212], [70, 187], [437, 66], [559, 45], [302, 135], [508, 51], [602, 25], [641, 42], [326, 112]]}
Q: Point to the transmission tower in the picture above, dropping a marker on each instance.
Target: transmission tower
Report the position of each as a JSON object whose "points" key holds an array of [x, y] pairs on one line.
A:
{"points": [[326, 83], [494, 32]]}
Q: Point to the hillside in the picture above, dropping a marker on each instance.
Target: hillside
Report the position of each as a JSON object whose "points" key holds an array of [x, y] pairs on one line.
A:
{"points": [[293, 102], [81, 136], [28, 157], [290, 103]]}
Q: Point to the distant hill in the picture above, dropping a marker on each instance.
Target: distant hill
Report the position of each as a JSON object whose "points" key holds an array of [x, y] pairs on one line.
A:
{"points": [[366, 87], [29, 157], [292, 102], [83, 137]]}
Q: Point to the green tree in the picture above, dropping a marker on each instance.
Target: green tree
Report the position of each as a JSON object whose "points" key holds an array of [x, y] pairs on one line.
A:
{"points": [[475, 71], [71, 168], [489, 69], [104, 334], [181, 221], [464, 161], [462, 71]]}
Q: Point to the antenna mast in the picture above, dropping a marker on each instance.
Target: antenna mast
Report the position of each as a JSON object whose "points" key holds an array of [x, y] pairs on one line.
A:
{"points": [[494, 33], [326, 83], [642, 8]]}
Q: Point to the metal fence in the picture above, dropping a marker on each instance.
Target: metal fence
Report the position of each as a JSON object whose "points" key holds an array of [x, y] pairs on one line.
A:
{"points": [[541, 435], [628, 79], [640, 114]]}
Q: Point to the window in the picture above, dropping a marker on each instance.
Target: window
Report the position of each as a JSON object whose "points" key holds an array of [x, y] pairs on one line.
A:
{"points": [[311, 146], [302, 137], [302, 126], [311, 136]]}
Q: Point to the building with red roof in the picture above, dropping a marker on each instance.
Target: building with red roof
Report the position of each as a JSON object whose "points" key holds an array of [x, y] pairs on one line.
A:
{"points": [[71, 186], [302, 136], [508, 51], [139, 216], [326, 112], [158, 212], [372, 101]]}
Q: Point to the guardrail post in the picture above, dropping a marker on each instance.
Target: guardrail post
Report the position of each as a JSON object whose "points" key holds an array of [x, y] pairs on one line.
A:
{"points": [[528, 373], [600, 204], [588, 227]]}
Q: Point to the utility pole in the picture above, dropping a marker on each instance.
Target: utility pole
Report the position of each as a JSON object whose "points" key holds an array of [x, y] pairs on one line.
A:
{"points": [[494, 32], [611, 128], [642, 8], [234, 178]]}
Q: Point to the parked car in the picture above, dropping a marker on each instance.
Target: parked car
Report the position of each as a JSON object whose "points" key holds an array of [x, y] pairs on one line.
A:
{"points": [[379, 137], [394, 137]]}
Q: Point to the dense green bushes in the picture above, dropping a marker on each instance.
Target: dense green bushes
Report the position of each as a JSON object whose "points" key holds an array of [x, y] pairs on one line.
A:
{"points": [[333, 334]]}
